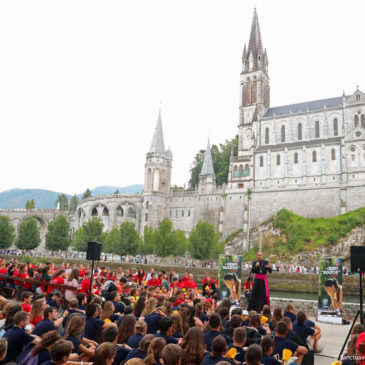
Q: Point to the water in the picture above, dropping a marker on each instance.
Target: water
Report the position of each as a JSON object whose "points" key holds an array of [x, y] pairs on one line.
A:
{"points": [[311, 296]]}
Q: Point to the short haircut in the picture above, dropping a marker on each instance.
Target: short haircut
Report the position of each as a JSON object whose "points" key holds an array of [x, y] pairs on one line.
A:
{"points": [[236, 321], [48, 310], [171, 354], [219, 346], [281, 328], [214, 320], [91, 309], [60, 349], [73, 303], [266, 342], [105, 351], [224, 312], [253, 354], [128, 310], [20, 316], [25, 295], [240, 334], [236, 310], [287, 320], [3, 346], [113, 295], [164, 324], [301, 317], [110, 333], [289, 307], [80, 297]]}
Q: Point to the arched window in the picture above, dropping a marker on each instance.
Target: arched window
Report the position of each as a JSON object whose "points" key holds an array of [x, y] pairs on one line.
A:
{"points": [[295, 157], [267, 136], [94, 212], [333, 154], [316, 129], [363, 120], [247, 170], [278, 159], [235, 171], [119, 211], [261, 161], [335, 127], [282, 133], [314, 156], [240, 171], [356, 119], [300, 136], [149, 179], [105, 212]]}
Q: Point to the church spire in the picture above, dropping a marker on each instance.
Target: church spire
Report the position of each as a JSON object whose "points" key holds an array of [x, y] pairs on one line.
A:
{"points": [[207, 168], [157, 145], [255, 43]]}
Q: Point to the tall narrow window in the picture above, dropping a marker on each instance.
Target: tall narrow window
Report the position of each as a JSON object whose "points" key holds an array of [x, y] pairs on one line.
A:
{"points": [[356, 119], [241, 171], [335, 127], [283, 133], [235, 171], [300, 136], [278, 159], [261, 161], [267, 136], [247, 170], [314, 156], [295, 157], [316, 129], [362, 120], [333, 154]]}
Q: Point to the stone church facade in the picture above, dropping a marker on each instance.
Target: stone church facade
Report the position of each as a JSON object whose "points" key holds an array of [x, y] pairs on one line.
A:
{"points": [[307, 157]]}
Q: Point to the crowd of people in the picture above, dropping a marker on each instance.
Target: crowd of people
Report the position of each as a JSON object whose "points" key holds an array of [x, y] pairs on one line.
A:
{"points": [[144, 318]]}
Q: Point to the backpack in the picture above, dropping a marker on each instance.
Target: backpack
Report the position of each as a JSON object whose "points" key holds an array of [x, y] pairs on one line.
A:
{"points": [[108, 287]]}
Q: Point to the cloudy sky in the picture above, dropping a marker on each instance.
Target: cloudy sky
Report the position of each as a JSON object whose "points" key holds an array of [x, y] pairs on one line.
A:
{"points": [[81, 81]]}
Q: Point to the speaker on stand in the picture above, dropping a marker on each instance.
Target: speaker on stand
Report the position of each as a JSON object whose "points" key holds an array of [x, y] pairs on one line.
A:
{"points": [[93, 253]]}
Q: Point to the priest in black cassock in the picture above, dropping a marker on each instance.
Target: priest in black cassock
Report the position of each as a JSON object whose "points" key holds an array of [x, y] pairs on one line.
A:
{"points": [[260, 291]]}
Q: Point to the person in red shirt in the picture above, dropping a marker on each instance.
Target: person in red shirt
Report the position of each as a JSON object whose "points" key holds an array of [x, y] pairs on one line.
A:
{"points": [[3, 270], [85, 284], [154, 281], [58, 278], [185, 277], [134, 276], [22, 274], [26, 299], [191, 283], [81, 271], [180, 298], [247, 286]]}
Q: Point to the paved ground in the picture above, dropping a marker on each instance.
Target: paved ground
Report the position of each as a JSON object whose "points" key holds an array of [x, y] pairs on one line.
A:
{"points": [[333, 337]]}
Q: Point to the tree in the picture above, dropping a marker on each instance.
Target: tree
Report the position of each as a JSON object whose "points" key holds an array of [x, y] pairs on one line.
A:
{"points": [[62, 200], [180, 242], [58, 235], [112, 238], [146, 245], [28, 236], [7, 235], [89, 231], [116, 192], [87, 194], [221, 159], [74, 202], [204, 241], [30, 204], [164, 243], [129, 240]]}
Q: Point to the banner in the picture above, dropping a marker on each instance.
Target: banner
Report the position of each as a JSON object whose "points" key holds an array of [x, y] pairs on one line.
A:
{"points": [[330, 291], [229, 277]]}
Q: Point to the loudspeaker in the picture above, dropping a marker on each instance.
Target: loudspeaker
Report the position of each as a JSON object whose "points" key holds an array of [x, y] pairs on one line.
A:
{"points": [[93, 251], [357, 259]]}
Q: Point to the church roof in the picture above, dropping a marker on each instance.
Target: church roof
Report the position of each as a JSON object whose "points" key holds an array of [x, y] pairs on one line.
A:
{"points": [[158, 145], [311, 106], [207, 168], [255, 43]]}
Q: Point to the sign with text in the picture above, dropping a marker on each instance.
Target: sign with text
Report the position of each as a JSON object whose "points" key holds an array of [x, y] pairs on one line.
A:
{"points": [[330, 291], [229, 277]]}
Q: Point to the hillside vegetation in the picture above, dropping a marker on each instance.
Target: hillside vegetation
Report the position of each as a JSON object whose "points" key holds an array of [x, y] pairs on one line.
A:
{"points": [[298, 234]]}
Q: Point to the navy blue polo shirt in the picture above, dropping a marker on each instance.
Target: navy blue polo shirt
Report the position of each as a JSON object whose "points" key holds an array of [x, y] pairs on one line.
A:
{"points": [[91, 327], [269, 360], [43, 326], [43, 356], [167, 338], [291, 315], [211, 335], [303, 331], [135, 340], [208, 360], [152, 321], [119, 307], [121, 355], [240, 356], [17, 338], [71, 311], [283, 343], [75, 341], [136, 353]]}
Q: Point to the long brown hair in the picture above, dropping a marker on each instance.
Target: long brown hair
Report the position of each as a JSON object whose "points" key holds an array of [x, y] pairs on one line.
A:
{"points": [[107, 310], [176, 323], [154, 351], [74, 274], [126, 329], [106, 350], [75, 325], [48, 339], [37, 309], [192, 347], [150, 306]]}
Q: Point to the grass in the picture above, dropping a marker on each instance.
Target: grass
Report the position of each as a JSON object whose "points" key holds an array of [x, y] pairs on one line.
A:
{"points": [[300, 234]]}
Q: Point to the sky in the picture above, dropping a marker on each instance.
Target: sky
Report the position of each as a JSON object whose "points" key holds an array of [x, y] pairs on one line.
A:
{"points": [[81, 82]]}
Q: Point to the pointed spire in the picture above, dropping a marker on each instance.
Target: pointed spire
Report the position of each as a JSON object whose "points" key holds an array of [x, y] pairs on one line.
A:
{"points": [[157, 145], [255, 43], [244, 55], [207, 168]]}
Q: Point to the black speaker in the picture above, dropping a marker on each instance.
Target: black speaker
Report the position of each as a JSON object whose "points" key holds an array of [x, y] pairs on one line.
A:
{"points": [[93, 251], [357, 259]]}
